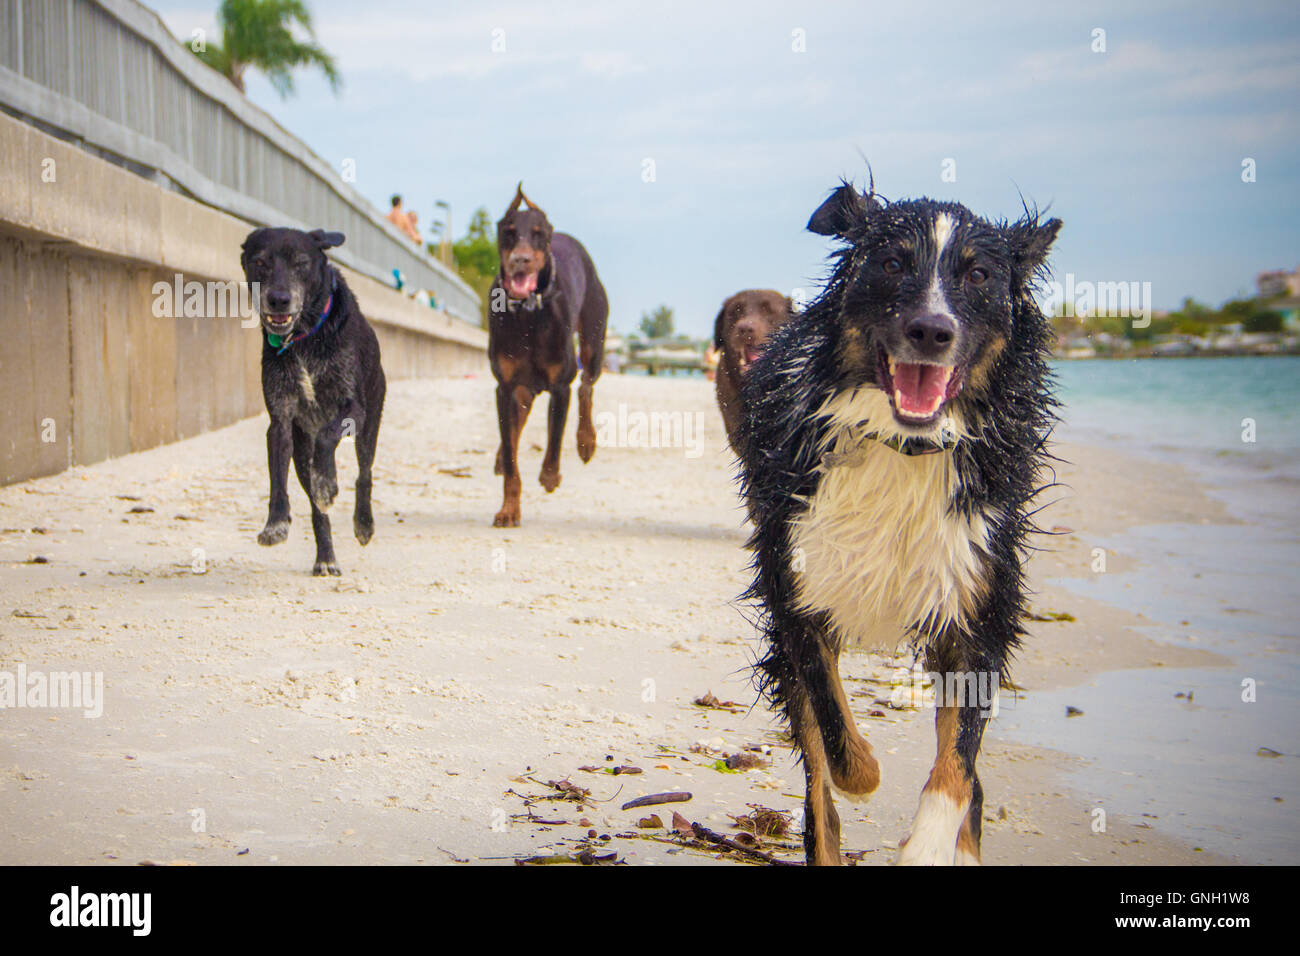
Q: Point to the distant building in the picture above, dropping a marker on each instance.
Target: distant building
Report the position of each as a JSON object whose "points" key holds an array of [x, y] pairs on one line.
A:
{"points": [[1278, 282], [1281, 290], [615, 352]]}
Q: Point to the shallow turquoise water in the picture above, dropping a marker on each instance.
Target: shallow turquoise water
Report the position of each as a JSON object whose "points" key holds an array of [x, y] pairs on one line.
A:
{"points": [[1192, 767], [1188, 404]]}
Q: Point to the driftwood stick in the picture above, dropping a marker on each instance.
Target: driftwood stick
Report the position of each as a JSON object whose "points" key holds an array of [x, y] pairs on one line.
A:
{"points": [[654, 799]]}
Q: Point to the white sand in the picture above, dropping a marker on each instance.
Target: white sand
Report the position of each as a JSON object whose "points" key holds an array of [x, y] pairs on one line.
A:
{"points": [[384, 717]]}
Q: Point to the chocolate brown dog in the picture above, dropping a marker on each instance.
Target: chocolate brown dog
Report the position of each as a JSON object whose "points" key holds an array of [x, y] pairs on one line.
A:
{"points": [[546, 289], [740, 333]]}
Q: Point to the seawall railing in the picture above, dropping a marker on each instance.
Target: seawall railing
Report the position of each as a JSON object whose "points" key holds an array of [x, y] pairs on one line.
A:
{"points": [[109, 76]]}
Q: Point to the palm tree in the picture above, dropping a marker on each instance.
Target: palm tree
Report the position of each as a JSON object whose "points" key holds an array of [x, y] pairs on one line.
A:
{"points": [[259, 33]]}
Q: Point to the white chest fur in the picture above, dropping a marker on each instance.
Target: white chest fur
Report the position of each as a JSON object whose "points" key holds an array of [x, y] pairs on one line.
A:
{"points": [[879, 547], [306, 384]]}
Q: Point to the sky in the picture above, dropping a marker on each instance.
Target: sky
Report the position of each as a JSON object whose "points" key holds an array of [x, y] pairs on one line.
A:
{"points": [[686, 144]]}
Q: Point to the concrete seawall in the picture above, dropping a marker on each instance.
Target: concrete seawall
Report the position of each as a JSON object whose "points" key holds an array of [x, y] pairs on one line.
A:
{"points": [[87, 370]]}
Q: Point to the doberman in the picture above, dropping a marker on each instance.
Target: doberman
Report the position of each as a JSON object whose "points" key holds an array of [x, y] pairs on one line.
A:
{"points": [[546, 289]]}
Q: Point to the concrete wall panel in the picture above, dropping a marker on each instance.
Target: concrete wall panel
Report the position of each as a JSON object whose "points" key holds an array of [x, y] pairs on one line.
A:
{"points": [[35, 377], [80, 345], [151, 367]]}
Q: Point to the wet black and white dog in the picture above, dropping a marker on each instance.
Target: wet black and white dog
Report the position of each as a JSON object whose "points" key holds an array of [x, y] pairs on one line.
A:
{"points": [[321, 379], [893, 439]]}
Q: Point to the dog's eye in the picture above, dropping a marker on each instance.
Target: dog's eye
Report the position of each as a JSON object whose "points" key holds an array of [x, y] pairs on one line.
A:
{"points": [[892, 266], [977, 276]]}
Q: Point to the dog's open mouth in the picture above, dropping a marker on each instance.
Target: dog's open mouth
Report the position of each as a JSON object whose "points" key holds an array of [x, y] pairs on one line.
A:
{"points": [[918, 390], [277, 323], [521, 285], [749, 354]]}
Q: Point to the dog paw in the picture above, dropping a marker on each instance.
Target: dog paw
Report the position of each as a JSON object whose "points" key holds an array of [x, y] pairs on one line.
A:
{"points": [[323, 568], [857, 774], [586, 444], [966, 858], [324, 489], [507, 517], [550, 479], [921, 849], [935, 832], [364, 529], [274, 533]]}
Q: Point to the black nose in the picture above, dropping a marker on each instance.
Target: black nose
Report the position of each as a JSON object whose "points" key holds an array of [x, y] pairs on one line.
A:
{"points": [[277, 302], [933, 334]]}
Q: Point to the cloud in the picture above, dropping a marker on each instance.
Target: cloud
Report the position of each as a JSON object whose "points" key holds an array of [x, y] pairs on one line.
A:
{"points": [[748, 134]]}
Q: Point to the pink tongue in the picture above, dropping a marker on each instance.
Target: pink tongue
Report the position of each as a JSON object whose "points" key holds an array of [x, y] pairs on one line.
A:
{"points": [[919, 389], [524, 285]]}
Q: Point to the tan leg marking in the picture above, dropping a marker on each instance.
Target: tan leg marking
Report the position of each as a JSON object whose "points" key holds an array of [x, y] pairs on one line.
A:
{"points": [[944, 802]]}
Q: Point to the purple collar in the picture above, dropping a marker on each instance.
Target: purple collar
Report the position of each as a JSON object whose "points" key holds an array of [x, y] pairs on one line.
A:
{"points": [[282, 344]]}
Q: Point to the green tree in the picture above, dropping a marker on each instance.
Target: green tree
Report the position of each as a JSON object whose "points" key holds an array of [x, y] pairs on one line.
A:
{"points": [[1187, 326], [1237, 310], [657, 324], [475, 257], [259, 34], [478, 250], [1264, 320]]}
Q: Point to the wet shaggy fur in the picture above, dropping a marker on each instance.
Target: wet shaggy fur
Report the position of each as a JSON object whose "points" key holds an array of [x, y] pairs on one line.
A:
{"points": [[327, 383], [546, 290], [857, 542], [740, 333]]}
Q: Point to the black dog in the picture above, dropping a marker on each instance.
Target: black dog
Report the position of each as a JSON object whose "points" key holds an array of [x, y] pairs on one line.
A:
{"points": [[546, 289], [893, 439], [321, 379]]}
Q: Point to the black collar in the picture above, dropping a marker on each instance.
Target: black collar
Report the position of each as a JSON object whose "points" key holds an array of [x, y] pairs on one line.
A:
{"points": [[538, 299], [282, 344], [911, 447]]}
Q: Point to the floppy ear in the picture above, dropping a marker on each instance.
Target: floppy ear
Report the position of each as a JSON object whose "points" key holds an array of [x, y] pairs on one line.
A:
{"points": [[718, 343], [248, 241], [326, 240], [843, 211], [1030, 241]]}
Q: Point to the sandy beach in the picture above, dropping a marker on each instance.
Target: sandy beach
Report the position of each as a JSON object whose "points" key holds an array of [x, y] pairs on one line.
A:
{"points": [[417, 709]]}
